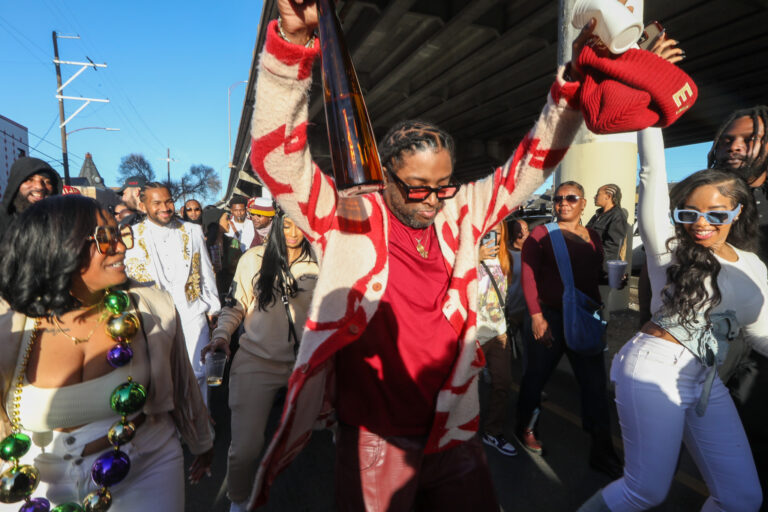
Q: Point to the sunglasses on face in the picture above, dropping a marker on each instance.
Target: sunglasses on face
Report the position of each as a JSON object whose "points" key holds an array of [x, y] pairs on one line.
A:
{"points": [[192, 209], [571, 198], [107, 237], [716, 218], [421, 192]]}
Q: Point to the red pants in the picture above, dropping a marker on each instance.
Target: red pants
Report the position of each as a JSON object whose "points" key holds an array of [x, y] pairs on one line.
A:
{"points": [[376, 474]]}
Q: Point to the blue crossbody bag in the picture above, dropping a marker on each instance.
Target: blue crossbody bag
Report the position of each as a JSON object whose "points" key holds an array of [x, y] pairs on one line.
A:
{"points": [[583, 328]]}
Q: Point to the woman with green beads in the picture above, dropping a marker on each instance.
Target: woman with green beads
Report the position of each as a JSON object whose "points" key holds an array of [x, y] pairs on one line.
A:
{"points": [[95, 382]]}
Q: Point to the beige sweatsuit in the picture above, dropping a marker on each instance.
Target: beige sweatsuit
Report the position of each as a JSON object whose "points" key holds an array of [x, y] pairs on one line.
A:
{"points": [[263, 363]]}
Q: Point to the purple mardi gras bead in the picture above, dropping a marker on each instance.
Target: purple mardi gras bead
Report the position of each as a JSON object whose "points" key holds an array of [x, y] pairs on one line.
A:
{"points": [[110, 468], [36, 505], [120, 355]]}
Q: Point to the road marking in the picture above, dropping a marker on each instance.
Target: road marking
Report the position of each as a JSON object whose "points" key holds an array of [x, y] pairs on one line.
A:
{"points": [[683, 478]]}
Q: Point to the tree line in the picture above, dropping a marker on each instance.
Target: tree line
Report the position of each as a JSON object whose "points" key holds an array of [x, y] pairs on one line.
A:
{"points": [[200, 181]]}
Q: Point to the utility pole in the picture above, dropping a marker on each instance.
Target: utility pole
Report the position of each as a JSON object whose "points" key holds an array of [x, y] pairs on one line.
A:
{"points": [[168, 159], [59, 96], [64, 156]]}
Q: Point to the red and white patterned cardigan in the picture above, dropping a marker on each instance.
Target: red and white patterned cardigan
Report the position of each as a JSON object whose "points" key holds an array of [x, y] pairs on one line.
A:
{"points": [[350, 238]]}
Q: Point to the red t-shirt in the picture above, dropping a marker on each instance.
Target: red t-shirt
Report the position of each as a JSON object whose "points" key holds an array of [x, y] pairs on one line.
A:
{"points": [[388, 379]]}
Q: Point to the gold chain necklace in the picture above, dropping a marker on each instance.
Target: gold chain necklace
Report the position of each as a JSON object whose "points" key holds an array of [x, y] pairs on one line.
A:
{"points": [[75, 339]]}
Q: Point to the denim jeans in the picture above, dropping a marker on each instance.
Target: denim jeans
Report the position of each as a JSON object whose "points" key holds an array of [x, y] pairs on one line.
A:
{"points": [[540, 361]]}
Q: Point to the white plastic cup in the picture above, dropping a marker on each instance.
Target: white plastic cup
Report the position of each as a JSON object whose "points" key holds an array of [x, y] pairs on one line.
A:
{"points": [[617, 27], [214, 368], [616, 270]]}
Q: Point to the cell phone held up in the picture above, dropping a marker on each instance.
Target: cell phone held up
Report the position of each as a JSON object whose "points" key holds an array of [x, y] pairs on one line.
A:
{"points": [[651, 33], [490, 236]]}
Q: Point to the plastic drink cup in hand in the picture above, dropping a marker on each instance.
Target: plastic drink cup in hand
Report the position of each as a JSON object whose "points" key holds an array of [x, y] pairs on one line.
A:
{"points": [[214, 368], [616, 269], [617, 27]]}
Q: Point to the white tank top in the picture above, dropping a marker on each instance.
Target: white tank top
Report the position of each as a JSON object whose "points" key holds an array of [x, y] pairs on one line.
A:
{"points": [[46, 409]]}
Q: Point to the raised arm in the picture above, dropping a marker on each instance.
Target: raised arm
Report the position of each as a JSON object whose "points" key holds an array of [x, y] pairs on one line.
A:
{"points": [[539, 153], [280, 155], [653, 207]]}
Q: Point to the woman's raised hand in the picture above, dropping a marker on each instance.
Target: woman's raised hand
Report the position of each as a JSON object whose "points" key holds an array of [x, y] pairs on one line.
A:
{"points": [[667, 49], [299, 19]]}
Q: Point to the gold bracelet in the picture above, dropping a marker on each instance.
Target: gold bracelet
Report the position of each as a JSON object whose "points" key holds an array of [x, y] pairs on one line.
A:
{"points": [[308, 44]]}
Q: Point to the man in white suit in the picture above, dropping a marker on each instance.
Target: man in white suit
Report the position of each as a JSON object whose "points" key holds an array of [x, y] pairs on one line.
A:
{"points": [[171, 255]]}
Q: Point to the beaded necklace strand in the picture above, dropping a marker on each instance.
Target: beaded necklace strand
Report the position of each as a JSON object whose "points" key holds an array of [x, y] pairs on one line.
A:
{"points": [[19, 481]]}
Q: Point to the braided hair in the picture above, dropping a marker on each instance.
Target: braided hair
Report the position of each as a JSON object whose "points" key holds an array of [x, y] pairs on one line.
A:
{"points": [[754, 166], [408, 137], [614, 191]]}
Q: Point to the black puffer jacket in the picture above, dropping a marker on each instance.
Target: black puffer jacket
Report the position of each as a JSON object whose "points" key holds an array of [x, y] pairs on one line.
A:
{"points": [[22, 169]]}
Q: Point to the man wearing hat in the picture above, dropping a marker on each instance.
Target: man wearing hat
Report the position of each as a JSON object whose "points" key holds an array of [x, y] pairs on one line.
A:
{"points": [[130, 194], [29, 181], [262, 211], [131, 190]]}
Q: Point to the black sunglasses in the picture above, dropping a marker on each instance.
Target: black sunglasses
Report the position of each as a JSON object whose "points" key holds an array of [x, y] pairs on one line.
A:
{"points": [[421, 192], [571, 198], [192, 210]]}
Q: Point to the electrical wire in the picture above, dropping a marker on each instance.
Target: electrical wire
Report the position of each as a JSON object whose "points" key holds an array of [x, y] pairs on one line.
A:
{"points": [[55, 118]]}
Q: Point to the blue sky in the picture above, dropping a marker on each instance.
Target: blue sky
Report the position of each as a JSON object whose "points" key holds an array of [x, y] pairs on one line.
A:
{"points": [[170, 65]]}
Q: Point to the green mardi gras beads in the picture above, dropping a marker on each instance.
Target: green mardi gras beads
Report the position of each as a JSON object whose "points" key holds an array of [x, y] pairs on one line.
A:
{"points": [[128, 398], [116, 302], [124, 326], [98, 501], [68, 507], [17, 483], [14, 446]]}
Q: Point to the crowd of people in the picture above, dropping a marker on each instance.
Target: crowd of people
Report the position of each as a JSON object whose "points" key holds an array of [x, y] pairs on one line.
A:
{"points": [[380, 312]]}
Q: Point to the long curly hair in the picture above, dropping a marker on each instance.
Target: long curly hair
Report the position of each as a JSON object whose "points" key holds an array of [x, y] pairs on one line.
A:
{"points": [[275, 268], [43, 248], [695, 268]]}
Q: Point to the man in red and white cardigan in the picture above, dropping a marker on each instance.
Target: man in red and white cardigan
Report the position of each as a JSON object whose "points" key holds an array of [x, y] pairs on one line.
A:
{"points": [[389, 348]]}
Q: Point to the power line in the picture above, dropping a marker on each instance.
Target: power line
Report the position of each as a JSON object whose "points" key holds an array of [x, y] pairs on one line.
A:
{"points": [[89, 46], [11, 29], [49, 157], [47, 131]]}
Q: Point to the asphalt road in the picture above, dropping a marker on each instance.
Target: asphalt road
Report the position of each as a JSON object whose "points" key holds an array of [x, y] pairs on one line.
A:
{"points": [[560, 480]]}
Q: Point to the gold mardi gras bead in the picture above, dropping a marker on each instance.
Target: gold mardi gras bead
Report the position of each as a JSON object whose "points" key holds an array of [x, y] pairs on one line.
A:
{"points": [[17, 483], [98, 501], [121, 433], [124, 325]]}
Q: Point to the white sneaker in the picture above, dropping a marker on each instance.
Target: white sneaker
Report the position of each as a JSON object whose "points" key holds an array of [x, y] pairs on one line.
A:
{"points": [[501, 444]]}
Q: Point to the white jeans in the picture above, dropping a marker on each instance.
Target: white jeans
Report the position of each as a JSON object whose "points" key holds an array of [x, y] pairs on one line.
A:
{"points": [[658, 384], [155, 481]]}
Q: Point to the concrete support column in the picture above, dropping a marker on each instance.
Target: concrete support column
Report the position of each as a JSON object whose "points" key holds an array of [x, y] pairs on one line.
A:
{"points": [[595, 160]]}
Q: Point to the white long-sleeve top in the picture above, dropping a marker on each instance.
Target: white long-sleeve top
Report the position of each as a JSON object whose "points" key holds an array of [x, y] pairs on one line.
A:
{"points": [[743, 283]]}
